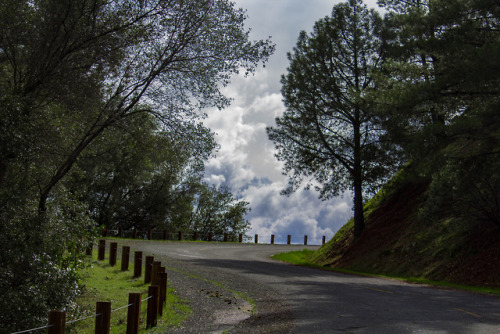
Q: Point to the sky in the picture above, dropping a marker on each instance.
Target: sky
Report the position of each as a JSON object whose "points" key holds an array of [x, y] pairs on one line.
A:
{"points": [[245, 161]]}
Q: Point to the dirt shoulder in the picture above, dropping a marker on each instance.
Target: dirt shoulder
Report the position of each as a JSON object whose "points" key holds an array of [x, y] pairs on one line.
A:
{"points": [[220, 302]]}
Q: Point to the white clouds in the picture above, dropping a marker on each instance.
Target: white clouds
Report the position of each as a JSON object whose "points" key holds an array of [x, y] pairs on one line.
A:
{"points": [[300, 214], [245, 151], [246, 160]]}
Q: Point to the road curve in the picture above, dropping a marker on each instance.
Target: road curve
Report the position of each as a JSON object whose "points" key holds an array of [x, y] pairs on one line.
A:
{"points": [[221, 281]]}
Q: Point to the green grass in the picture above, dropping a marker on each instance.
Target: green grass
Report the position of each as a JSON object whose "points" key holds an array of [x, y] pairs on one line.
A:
{"points": [[105, 283], [302, 258]]}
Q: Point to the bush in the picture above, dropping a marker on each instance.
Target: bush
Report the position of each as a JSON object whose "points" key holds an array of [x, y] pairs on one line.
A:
{"points": [[467, 189], [40, 253]]}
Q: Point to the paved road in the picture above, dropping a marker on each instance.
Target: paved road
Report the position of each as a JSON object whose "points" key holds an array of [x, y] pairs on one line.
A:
{"points": [[291, 299]]}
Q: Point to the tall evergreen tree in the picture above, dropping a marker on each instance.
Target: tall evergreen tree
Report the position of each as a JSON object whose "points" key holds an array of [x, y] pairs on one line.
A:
{"points": [[441, 67], [443, 60], [328, 132]]}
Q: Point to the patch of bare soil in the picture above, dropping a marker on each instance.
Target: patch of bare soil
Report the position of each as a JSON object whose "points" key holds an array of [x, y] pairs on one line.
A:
{"points": [[389, 246], [481, 263], [384, 227]]}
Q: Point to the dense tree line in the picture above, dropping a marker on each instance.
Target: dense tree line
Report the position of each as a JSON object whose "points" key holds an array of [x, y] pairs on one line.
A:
{"points": [[101, 104], [365, 95]]}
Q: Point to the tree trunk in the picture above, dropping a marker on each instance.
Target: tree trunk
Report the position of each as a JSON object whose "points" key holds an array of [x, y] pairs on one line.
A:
{"points": [[359, 220], [71, 159]]}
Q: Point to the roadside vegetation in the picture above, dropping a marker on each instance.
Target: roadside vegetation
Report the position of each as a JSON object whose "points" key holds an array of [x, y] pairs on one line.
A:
{"points": [[408, 114], [306, 258], [102, 282], [101, 125], [401, 244]]}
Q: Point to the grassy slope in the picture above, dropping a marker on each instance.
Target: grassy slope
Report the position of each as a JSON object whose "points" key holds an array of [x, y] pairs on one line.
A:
{"points": [[106, 283], [397, 243]]}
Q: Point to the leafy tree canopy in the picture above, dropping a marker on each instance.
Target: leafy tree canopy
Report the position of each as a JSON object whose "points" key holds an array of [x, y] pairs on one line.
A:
{"points": [[101, 105]]}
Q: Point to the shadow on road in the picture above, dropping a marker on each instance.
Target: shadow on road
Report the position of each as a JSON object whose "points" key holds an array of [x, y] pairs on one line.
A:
{"points": [[335, 302]]}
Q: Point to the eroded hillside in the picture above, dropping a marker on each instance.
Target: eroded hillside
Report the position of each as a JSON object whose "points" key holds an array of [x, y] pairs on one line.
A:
{"points": [[398, 242]]}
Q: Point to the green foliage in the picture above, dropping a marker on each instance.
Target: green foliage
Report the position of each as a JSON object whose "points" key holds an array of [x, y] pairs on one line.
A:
{"points": [[101, 282], [101, 104], [439, 100], [441, 69], [328, 136], [466, 189], [39, 256], [137, 175], [217, 211], [77, 68]]}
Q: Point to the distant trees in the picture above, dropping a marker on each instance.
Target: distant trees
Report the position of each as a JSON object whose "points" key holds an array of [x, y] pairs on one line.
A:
{"points": [[100, 109], [137, 177], [217, 211], [329, 130]]}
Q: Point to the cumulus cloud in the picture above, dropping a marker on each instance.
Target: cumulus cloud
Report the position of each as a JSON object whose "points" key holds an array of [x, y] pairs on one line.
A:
{"points": [[298, 215], [245, 161]]}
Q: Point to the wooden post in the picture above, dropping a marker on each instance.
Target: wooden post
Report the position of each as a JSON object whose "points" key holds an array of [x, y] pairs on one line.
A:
{"points": [[240, 238], [180, 235], [102, 249], [113, 247], [225, 237], [57, 322], [137, 264], [289, 240], [120, 232], [272, 239], [134, 313], [125, 257], [210, 236], [165, 234], [89, 249], [195, 235], [150, 234], [164, 285], [105, 232], [161, 298], [134, 233], [155, 270], [148, 268], [305, 239], [103, 318], [152, 317], [324, 239], [256, 238]]}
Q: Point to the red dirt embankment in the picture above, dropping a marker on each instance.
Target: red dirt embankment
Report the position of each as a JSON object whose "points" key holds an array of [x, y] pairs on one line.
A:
{"points": [[397, 243]]}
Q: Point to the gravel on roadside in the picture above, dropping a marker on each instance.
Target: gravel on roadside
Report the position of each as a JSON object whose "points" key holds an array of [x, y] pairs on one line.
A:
{"points": [[221, 302]]}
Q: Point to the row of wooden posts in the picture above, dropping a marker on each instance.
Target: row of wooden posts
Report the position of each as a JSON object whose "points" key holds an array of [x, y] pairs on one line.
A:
{"points": [[180, 236], [166, 235], [154, 274]]}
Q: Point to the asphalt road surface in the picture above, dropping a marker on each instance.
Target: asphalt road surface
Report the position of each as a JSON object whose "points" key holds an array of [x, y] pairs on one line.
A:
{"points": [[238, 288]]}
